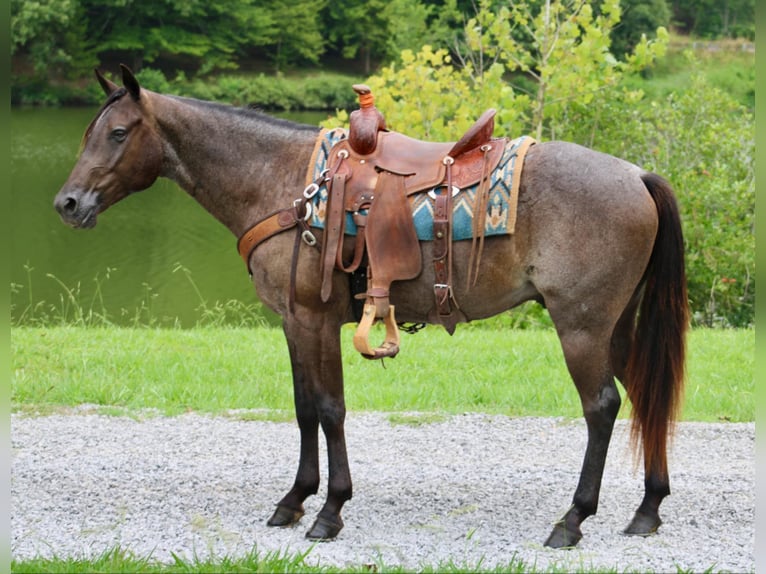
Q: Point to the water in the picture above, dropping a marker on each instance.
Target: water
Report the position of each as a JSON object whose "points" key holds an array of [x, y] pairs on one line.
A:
{"points": [[157, 250]]}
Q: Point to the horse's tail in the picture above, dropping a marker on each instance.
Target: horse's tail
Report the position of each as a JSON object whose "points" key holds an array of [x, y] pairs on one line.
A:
{"points": [[655, 368]]}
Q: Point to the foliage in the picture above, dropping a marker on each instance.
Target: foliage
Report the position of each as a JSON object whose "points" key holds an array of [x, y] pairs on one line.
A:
{"points": [[639, 18], [564, 51], [297, 36], [51, 32], [70, 37], [716, 18], [210, 32], [431, 99]]}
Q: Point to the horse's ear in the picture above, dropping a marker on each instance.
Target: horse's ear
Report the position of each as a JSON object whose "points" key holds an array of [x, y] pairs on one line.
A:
{"points": [[106, 85], [130, 82]]}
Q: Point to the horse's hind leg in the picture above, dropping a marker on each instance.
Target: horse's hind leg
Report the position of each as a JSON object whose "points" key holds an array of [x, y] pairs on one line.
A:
{"points": [[587, 356], [318, 386], [656, 482]]}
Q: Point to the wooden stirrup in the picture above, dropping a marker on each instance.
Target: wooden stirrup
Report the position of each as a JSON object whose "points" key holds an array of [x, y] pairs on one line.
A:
{"points": [[389, 347]]}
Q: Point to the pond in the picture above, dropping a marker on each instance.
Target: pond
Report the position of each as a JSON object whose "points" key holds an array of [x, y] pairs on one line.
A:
{"points": [[156, 255]]}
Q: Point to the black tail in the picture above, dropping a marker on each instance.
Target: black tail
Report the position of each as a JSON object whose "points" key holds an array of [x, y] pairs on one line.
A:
{"points": [[656, 366]]}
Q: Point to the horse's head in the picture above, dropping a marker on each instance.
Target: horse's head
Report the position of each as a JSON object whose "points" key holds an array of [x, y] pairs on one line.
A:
{"points": [[121, 153]]}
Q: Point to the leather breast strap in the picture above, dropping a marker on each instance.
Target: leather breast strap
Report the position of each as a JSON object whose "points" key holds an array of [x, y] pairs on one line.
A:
{"points": [[271, 225]]}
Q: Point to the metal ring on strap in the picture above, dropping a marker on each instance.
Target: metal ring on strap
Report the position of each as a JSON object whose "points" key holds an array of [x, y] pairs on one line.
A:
{"points": [[309, 209], [432, 193]]}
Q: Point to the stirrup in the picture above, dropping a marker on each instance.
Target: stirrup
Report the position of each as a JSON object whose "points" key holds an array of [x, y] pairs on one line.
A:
{"points": [[389, 347]]}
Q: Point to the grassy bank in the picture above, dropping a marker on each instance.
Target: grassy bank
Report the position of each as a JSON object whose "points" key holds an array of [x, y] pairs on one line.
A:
{"points": [[514, 373]]}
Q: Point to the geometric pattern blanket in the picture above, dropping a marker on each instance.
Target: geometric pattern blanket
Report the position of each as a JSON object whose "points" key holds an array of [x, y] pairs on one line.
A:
{"points": [[501, 205]]}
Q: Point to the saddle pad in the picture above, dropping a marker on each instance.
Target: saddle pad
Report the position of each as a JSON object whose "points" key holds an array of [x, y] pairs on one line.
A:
{"points": [[501, 206]]}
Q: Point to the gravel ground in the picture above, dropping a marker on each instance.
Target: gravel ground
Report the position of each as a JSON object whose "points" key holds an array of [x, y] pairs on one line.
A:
{"points": [[468, 488]]}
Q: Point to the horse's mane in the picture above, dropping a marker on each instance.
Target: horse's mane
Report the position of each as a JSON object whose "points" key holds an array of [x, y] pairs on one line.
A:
{"points": [[248, 112], [113, 97]]}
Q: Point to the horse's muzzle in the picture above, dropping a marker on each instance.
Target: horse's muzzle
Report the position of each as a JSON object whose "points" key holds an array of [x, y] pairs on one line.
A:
{"points": [[77, 208]]}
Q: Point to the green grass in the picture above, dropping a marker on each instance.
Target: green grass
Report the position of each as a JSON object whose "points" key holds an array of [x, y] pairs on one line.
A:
{"points": [[217, 370], [120, 561]]}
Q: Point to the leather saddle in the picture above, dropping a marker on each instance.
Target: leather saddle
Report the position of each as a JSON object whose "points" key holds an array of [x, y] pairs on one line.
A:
{"points": [[371, 174]]}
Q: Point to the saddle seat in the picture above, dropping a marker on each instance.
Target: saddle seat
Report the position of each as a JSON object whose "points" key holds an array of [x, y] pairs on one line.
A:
{"points": [[371, 175]]}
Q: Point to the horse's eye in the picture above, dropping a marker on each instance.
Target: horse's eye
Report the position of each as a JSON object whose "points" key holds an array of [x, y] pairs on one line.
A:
{"points": [[119, 134]]}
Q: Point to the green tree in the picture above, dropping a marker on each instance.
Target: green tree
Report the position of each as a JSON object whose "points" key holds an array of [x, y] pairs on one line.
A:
{"points": [[50, 33], [428, 97], [192, 32], [297, 37], [564, 47], [358, 28], [413, 24], [715, 18], [639, 18]]}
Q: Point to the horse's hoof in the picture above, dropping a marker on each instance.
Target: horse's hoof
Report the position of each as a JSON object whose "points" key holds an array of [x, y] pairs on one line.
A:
{"points": [[643, 524], [561, 537], [284, 516], [324, 530]]}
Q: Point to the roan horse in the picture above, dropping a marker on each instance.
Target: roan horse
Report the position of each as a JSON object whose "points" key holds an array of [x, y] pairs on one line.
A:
{"points": [[597, 241]]}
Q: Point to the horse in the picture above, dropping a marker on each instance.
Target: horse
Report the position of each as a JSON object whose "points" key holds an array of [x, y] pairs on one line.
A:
{"points": [[598, 241]]}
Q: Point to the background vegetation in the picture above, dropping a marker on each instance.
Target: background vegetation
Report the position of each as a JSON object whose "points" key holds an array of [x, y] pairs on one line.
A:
{"points": [[68, 38], [605, 74]]}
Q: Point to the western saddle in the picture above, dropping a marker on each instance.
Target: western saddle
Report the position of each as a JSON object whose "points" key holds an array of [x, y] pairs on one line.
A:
{"points": [[370, 176]]}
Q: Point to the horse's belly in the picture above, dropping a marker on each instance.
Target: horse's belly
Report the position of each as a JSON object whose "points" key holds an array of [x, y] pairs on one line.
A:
{"points": [[501, 284]]}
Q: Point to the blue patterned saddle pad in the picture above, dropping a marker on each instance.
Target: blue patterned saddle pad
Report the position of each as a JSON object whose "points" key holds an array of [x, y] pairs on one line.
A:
{"points": [[501, 205]]}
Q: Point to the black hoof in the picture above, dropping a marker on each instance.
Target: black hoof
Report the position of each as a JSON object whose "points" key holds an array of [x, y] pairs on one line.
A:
{"points": [[324, 529], [284, 516], [561, 537], [643, 524]]}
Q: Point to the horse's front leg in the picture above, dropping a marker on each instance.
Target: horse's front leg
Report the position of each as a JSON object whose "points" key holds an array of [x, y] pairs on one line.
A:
{"points": [[290, 508], [318, 388]]}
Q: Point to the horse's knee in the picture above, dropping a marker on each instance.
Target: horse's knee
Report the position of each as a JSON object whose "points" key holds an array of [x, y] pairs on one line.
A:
{"points": [[331, 413]]}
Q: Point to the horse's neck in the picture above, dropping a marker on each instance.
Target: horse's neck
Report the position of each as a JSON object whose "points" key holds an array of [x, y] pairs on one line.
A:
{"points": [[239, 165]]}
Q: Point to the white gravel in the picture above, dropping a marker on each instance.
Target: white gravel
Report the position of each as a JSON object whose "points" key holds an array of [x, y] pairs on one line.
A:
{"points": [[469, 488]]}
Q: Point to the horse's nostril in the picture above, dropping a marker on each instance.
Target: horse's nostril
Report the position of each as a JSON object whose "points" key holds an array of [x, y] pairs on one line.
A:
{"points": [[70, 204]]}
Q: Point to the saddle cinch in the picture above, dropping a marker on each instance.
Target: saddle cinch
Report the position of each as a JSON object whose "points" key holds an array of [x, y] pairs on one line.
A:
{"points": [[370, 175]]}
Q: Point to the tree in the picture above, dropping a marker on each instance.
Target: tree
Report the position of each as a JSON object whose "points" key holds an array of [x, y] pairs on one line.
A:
{"points": [[715, 18], [639, 18], [414, 23], [49, 33], [357, 27], [297, 34], [192, 32], [564, 47]]}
